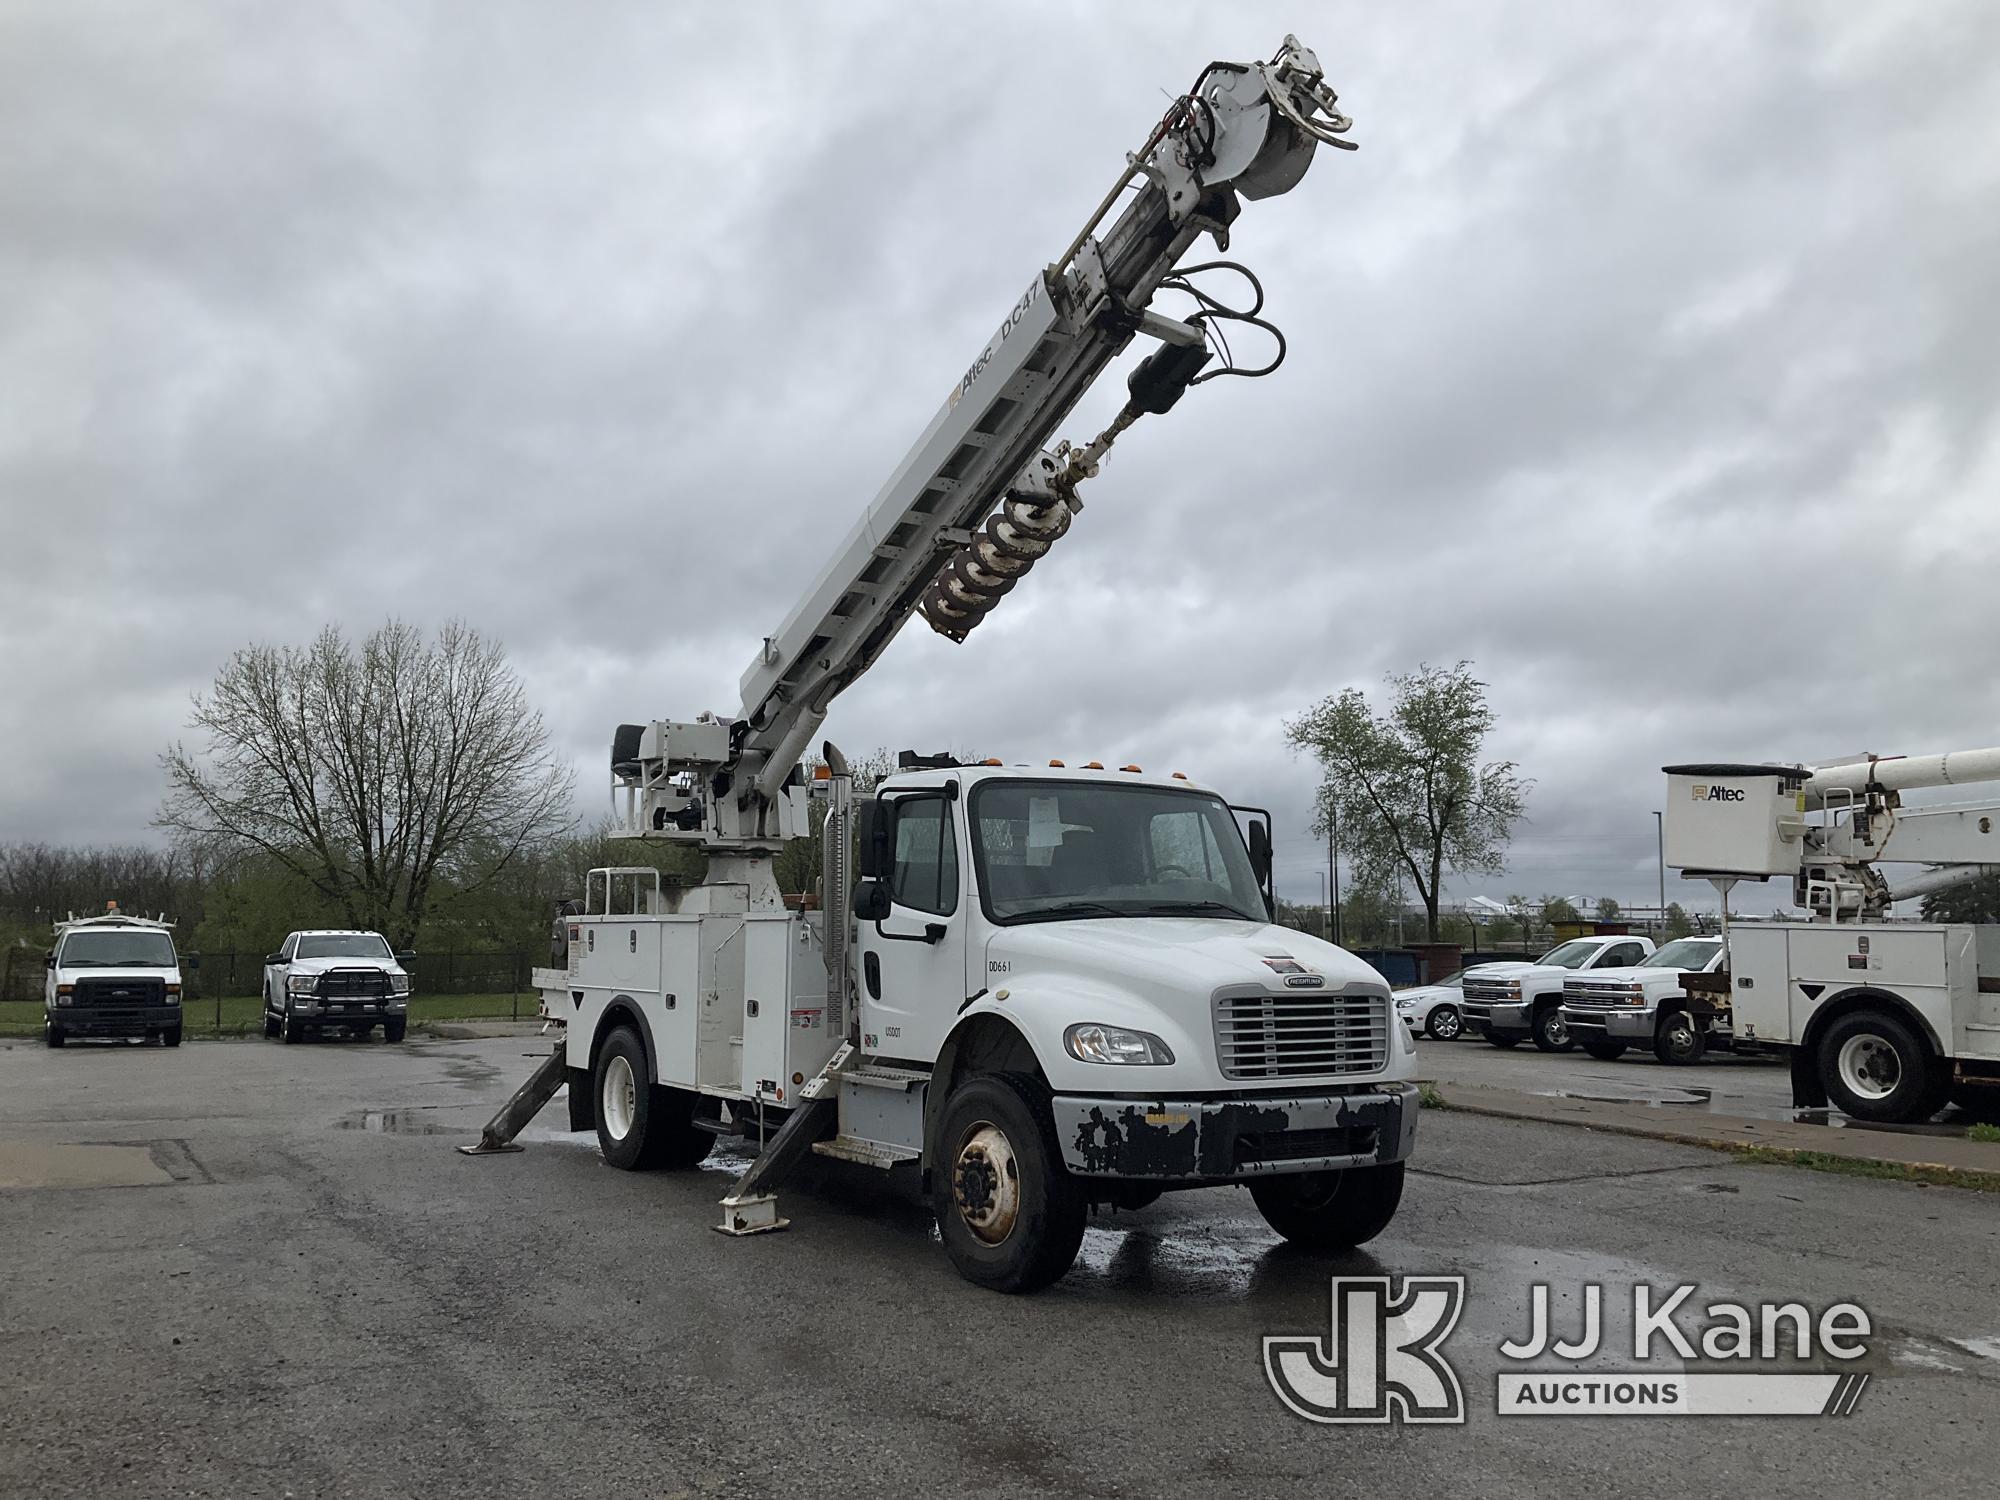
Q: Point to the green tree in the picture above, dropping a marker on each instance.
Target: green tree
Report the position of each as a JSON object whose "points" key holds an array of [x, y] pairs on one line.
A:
{"points": [[1679, 923], [1975, 901], [1607, 909], [1407, 787], [1557, 909]]}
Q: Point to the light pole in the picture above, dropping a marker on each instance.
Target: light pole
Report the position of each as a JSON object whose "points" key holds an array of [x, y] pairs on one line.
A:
{"points": [[1660, 839]]}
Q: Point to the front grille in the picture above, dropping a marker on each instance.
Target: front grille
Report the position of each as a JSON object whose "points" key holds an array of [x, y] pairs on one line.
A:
{"points": [[1488, 990], [111, 994], [1304, 1145], [1300, 1034], [1587, 996], [353, 984]]}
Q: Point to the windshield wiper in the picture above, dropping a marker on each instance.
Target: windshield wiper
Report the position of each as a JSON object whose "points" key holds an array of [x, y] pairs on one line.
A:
{"points": [[1178, 908], [1071, 909]]}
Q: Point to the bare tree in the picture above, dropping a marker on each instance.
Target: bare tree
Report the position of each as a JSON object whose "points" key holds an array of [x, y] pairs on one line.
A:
{"points": [[381, 776]]}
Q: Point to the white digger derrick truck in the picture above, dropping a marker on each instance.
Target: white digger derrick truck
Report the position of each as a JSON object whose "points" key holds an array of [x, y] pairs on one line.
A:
{"points": [[1887, 1018], [1050, 989]]}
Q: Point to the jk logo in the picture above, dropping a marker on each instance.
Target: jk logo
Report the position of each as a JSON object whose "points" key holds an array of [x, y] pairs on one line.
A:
{"points": [[1379, 1361]]}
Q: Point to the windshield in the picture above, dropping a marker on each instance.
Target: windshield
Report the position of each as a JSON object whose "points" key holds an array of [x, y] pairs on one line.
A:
{"points": [[343, 945], [1685, 953], [1049, 850], [132, 948], [1571, 955]]}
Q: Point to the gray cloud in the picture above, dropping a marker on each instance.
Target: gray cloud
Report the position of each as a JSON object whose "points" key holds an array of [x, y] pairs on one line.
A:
{"points": [[1644, 358]]}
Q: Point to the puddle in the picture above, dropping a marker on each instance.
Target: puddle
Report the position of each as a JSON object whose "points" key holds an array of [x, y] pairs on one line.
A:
{"points": [[414, 1121]]}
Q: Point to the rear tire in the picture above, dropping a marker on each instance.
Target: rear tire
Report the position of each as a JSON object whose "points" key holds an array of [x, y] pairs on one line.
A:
{"points": [[1980, 1101], [1330, 1212], [1551, 1031], [395, 1029], [641, 1125], [1603, 1049], [1010, 1214], [1504, 1043], [1679, 1039], [270, 1024], [1444, 1024], [1876, 1068]]}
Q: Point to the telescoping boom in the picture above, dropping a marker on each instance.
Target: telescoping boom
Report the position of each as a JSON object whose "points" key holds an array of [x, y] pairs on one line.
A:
{"points": [[980, 498]]}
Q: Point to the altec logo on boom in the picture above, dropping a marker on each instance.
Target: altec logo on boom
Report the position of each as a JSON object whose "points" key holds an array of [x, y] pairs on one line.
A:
{"points": [[1719, 794], [1382, 1359]]}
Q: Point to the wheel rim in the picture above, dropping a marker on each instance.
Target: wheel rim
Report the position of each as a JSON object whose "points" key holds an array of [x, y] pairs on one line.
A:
{"points": [[986, 1183], [1870, 1067], [1554, 1028], [1446, 1024], [620, 1100], [1680, 1038]]}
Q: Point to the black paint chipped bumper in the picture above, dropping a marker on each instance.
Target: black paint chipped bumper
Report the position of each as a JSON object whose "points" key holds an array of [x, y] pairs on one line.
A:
{"points": [[1217, 1140]]}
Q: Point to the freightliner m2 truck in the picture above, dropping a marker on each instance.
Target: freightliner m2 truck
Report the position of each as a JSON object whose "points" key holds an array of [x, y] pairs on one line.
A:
{"points": [[1042, 988]]}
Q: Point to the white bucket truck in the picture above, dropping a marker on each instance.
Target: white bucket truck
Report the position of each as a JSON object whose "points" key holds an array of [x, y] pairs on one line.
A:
{"points": [[1050, 987]]}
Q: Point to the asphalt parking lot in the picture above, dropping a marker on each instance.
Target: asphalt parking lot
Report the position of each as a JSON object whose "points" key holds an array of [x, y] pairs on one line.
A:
{"points": [[282, 1280]]}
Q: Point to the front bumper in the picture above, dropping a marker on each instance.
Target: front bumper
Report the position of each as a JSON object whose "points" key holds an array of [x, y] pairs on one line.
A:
{"points": [[1622, 1024], [1223, 1140], [114, 1020], [352, 1012], [1506, 1017]]}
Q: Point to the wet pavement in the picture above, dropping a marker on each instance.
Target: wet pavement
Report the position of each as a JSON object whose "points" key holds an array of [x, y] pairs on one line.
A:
{"points": [[1739, 1087], [324, 1298]]}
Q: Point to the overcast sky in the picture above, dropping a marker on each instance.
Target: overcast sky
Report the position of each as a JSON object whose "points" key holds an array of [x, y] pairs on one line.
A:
{"points": [[1643, 355]]}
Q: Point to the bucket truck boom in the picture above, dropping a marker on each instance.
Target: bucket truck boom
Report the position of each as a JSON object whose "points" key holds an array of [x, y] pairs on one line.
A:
{"points": [[980, 497], [1050, 990]]}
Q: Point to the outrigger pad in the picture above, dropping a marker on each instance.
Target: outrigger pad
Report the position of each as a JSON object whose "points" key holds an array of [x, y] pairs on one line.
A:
{"points": [[756, 1214]]}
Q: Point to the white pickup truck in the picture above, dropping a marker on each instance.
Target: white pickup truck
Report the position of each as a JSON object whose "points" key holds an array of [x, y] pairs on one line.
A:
{"points": [[1608, 1010], [349, 980], [1508, 1003]]}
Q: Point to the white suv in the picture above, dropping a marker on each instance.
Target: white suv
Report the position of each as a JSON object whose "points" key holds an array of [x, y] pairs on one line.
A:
{"points": [[336, 979]]}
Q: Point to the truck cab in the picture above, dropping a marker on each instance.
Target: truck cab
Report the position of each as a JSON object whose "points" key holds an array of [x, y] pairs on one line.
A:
{"points": [[1509, 1003], [1068, 992], [1646, 1005], [112, 976], [336, 979]]}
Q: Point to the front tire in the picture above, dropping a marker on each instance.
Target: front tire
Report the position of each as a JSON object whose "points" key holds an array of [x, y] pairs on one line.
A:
{"points": [[171, 1037], [1009, 1213], [291, 1031], [53, 1034], [1601, 1048], [1679, 1039], [1876, 1068], [395, 1029], [1444, 1024], [1329, 1212], [1551, 1031]]}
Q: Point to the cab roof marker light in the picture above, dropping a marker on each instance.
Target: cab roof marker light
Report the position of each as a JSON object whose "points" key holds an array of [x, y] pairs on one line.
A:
{"points": [[1134, 769], [1093, 765]]}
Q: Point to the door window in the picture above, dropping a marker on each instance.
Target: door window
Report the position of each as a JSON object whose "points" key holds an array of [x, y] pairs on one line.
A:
{"points": [[925, 877], [1619, 956]]}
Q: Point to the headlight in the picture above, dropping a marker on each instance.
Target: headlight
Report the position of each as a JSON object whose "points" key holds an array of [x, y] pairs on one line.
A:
{"points": [[399, 984], [1406, 1002], [1633, 994], [301, 984], [1093, 1043], [1513, 989]]}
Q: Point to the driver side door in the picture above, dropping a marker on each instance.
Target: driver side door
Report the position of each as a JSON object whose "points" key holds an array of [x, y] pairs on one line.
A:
{"points": [[913, 960], [274, 974]]}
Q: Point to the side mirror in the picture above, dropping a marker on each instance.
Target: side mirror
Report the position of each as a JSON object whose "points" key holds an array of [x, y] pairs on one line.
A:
{"points": [[191, 962], [274, 958], [872, 820], [871, 900], [406, 957], [48, 960], [1260, 857]]}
